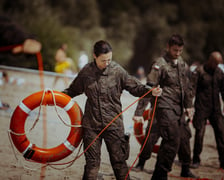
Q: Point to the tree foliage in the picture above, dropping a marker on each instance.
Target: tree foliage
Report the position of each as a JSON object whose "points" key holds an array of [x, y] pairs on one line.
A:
{"points": [[137, 30]]}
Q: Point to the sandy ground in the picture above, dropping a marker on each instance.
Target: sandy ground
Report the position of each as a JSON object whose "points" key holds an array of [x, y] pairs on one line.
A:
{"points": [[26, 83]]}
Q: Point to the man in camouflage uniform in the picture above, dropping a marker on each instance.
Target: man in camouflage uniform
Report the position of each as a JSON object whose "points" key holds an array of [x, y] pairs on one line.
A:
{"points": [[184, 152], [103, 81], [170, 72], [207, 107]]}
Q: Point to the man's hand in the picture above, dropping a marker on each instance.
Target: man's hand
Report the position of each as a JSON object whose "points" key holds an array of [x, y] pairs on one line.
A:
{"points": [[30, 46], [157, 91], [138, 119]]}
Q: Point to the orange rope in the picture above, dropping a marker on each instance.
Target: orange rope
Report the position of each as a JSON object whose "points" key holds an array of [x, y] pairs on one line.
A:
{"points": [[40, 67], [104, 129], [153, 114], [41, 74], [10, 47], [187, 178]]}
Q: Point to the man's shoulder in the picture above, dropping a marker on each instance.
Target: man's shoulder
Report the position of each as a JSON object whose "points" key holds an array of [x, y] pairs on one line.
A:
{"points": [[158, 63], [114, 66], [87, 69], [181, 60], [200, 69]]}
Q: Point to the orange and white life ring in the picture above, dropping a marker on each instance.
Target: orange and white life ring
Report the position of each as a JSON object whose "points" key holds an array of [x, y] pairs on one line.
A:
{"points": [[31, 151], [138, 129]]}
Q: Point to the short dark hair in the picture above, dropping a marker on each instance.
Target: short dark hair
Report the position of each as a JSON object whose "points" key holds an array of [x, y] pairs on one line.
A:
{"points": [[101, 47], [176, 39]]}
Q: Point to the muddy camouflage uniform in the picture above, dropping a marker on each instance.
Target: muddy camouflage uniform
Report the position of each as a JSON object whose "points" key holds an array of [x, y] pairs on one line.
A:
{"points": [[103, 90], [207, 107], [184, 152], [173, 79]]}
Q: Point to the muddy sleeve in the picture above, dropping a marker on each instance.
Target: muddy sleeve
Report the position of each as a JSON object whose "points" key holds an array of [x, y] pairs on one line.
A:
{"points": [[188, 90], [133, 85], [154, 76], [76, 87]]}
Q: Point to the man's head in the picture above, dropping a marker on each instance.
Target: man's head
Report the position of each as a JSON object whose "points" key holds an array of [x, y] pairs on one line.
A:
{"points": [[102, 53], [175, 46], [214, 59]]}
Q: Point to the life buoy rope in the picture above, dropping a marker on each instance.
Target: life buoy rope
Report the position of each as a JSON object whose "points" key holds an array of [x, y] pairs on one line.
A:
{"points": [[146, 138], [125, 109], [31, 151]]}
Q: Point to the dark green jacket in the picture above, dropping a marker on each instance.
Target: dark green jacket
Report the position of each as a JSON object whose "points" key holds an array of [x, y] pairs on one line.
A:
{"points": [[174, 80], [103, 90]]}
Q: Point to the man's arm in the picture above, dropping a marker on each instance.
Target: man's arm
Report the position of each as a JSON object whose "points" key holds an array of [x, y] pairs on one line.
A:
{"points": [[12, 34], [29, 46]]}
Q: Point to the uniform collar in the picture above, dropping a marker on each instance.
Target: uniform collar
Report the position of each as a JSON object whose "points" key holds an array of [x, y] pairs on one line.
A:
{"points": [[171, 61], [104, 72]]}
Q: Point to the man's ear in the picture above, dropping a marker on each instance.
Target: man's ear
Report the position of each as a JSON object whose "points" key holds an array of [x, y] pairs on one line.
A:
{"points": [[94, 55]]}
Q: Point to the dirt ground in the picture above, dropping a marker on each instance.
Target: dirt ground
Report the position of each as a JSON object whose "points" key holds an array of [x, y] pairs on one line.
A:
{"points": [[24, 83]]}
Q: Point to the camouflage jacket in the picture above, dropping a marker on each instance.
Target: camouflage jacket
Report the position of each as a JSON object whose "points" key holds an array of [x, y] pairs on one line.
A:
{"points": [[174, 80], [207, 86], [202, 82], [103, 90]]}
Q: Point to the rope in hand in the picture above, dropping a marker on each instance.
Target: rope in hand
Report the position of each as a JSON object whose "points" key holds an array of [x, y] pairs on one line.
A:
{"points": [[78, 156], [103, 130], [153, 114]]}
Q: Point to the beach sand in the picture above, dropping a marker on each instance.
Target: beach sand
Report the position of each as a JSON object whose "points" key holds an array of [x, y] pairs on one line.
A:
{"points": [[25, 84]]}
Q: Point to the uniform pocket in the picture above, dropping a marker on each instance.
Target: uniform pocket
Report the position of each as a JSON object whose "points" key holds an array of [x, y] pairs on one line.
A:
{"points": [[125, 146]]}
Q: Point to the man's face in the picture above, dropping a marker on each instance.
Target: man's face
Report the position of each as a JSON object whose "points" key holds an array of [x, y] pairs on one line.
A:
{"points": [[103, 60], [175, 51]]}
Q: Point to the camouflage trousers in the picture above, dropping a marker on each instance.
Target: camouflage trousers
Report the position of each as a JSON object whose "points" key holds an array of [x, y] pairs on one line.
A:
{"points": [[117, 146]]}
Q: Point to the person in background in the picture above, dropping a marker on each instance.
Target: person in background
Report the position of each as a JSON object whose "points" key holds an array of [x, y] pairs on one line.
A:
{"points": [[207, 108], [11, 34], [4, 80], [171, 73], [103, 81], [140, 74], [184, 151], [83, 60], [63, 65]]}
